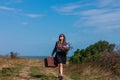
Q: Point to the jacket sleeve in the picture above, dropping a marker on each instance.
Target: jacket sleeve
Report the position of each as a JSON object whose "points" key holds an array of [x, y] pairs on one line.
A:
{"points": [[54, 50]]}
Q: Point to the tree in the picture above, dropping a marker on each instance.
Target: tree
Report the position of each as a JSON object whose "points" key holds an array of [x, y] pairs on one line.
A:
{"points": [[92, 52]]}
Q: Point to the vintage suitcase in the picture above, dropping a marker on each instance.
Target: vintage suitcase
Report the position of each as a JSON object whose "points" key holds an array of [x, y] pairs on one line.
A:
{"points": [[49, 62]]}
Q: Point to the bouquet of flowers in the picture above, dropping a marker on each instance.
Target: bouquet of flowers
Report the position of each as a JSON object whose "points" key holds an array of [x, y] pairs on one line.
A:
{"points": [[67, 46]]}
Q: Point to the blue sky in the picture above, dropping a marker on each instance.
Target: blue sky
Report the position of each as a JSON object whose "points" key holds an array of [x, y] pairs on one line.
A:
{"points": [[31, 27]]}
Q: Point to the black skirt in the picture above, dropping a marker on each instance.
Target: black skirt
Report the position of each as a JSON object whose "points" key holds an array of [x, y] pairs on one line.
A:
{"points": [[60, 57]]}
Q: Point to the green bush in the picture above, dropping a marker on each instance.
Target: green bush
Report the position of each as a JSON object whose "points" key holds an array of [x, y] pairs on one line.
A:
{"points": [[75, 59], [92, 52]]}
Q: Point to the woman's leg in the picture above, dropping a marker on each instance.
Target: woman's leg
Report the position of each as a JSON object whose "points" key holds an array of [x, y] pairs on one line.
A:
{"points": [[61, 69]]}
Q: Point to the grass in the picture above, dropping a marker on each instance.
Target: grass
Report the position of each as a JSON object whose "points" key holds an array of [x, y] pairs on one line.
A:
{"points": [[106, 67], [88, 72], [9, 73], [36, 73], [74, 71], [75, 76], [10, 69]]}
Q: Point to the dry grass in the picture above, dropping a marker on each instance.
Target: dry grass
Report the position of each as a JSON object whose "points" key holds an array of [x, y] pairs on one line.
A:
{"points": [[89, 72], [110, 61], [26, 69], [23, 69], [106, 67]]}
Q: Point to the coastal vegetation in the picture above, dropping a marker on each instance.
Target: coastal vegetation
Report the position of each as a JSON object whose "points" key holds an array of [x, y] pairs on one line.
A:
{"points": [[99, 61]]}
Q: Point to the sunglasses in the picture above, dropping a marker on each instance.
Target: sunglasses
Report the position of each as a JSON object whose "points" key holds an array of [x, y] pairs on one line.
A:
{"points": [[61, 36]]}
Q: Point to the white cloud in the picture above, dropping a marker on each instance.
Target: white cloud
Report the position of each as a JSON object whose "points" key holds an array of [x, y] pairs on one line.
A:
{"points": [[71, 8], [98, 14], [109, 3], [7, 8], [101, 16], [17, 12], [34, 15], [67, 8], [10, 11]]}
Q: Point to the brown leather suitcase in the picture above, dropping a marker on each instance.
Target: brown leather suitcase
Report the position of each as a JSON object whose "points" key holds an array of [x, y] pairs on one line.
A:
{"points": [[49, 62]]}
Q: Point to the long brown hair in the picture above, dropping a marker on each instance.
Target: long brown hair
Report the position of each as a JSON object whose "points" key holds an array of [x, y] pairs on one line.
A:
{"points": [[59, 44]]}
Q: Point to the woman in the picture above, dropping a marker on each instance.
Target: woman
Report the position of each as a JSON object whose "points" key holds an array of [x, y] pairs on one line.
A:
{"points": [[61, 51]]}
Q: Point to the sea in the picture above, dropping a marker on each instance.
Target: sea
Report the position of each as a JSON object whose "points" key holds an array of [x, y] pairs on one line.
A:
{"points": [[39, 57]]}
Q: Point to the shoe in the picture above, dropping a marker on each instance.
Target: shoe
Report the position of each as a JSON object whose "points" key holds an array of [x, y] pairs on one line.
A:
{"points": [[60, 77]]}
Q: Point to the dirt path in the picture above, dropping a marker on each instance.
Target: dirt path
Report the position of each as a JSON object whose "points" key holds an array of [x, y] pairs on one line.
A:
{"points": [[25, 70], [25, 73], [54, 71]]}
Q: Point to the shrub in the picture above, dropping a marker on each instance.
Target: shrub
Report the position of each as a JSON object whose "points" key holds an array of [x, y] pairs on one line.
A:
{"points": [[110, 61], [92, 52], [13, 55], [75, 59]]}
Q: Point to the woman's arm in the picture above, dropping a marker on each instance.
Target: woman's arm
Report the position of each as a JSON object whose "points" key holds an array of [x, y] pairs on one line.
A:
{"points": [[54, 50]]}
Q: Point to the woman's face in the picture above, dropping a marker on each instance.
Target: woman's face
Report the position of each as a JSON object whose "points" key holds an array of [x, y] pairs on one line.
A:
{"points": [[61, 37]]}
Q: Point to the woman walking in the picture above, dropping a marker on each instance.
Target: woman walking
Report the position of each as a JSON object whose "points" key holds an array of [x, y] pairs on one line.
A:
{"points": [[61, 48]]}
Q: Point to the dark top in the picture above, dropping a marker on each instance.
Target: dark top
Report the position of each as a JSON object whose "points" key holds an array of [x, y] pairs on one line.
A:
{"points": [[60, 56]]}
